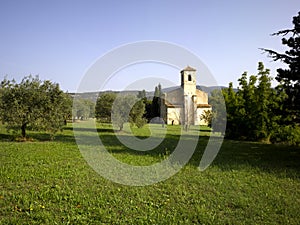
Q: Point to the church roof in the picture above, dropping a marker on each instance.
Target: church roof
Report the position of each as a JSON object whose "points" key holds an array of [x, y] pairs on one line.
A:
{"points": [[188, 68], [203, 106]]}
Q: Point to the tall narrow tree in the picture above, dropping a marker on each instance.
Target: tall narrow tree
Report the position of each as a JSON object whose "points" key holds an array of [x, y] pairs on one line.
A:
{"points": [[156, 102]]}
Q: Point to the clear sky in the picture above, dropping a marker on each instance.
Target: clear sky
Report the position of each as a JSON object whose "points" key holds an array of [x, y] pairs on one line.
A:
{"points": [[60, 39]]}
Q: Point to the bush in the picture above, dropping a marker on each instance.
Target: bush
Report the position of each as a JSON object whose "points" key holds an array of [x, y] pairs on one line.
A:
{"points": [[288, 134], [140, 122]]}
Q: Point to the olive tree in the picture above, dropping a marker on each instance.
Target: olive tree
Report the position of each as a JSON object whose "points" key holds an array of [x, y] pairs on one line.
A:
{"points": [[33, 104]]}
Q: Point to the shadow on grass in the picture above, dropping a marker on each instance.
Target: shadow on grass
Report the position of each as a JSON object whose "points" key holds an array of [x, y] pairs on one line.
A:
{"points": [[32, 136], [233, 155], [267, 157], [166, 146], [7, 137], [83, 129], [65, 136]]}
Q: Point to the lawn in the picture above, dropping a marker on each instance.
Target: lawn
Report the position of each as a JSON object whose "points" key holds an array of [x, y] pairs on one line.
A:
{"points": [[49, 182]]}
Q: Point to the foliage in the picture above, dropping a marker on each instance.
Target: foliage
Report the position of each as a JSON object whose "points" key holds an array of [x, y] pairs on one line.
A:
{"points": [[156, 102], [148, 109], [269, 102], [290, 78], [136, 116], [152, 107], [103, 107], [142, 94], [207, 117], [83, 108], [51, 183], [148, 106], [33, 104], [128, 109], [253, 111], [234, 111], [288, 134], [218, 117], [119, 109]]}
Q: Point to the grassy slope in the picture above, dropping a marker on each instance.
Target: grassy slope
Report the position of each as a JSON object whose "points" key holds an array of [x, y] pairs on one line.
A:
{"points": [[50, 183]]}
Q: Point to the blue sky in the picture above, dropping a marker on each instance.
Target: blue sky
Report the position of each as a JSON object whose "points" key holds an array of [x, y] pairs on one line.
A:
{"points": [[60, 40]]}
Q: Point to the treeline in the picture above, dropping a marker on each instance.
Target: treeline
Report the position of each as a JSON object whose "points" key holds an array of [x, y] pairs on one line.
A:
{"points": [[119, 109], [256, 111], [39, 105]]}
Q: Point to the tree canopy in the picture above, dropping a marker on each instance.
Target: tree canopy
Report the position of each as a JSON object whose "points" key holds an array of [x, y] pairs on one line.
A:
{"points": [[128, 108], [103, 107], [83, 108], [33, 104], [120, 109], [156, 102], [290, 77], [252, 110]]}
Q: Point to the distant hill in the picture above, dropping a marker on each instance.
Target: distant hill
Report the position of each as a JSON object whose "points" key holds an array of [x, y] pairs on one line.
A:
{"points": [[199, 87], [94, 95], [209, 89]]}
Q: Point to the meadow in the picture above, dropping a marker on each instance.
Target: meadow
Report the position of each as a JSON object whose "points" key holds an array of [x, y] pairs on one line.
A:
{"points": [[49, 182]]}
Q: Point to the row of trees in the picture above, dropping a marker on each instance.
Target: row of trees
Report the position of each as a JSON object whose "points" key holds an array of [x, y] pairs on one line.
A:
{"points": [[39, 105], [83, 108], [256, 111], [118, 109]]}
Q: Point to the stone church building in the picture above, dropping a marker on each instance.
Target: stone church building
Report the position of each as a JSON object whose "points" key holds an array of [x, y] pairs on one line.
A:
{"points": [[185, 104]]}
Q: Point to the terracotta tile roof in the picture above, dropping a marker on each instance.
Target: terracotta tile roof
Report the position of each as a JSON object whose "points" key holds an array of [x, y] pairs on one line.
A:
{"points": [[169, 105], [203, 106], [188, 68]]}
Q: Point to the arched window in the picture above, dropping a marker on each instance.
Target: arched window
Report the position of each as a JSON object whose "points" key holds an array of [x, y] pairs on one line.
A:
{"points": [[189, 77]]}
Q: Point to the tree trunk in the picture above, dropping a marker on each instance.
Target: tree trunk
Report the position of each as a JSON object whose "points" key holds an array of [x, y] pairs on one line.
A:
{"points": [[268, 139], [23, 128], [186, 127]]}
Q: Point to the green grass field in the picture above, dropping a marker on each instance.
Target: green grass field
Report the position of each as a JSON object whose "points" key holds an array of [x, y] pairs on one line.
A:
{"points": [[49, 182]]}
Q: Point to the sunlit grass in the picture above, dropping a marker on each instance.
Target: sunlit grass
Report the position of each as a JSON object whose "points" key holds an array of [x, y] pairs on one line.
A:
{"points": [[49, 182]]}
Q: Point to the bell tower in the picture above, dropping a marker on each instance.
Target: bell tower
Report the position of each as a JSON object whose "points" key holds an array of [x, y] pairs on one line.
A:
{"points": [[188, 81], [188, 85]]}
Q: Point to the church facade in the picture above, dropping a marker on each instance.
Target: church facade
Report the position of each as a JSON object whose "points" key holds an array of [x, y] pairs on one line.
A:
{"points": [[186, 104]]}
